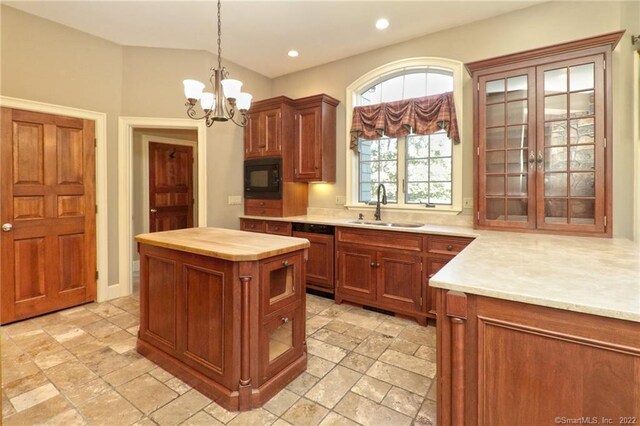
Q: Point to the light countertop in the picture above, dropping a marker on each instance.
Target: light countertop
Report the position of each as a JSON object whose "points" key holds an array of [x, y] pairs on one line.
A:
{"points": [[599, 276], [454, 231], [224, 244]]}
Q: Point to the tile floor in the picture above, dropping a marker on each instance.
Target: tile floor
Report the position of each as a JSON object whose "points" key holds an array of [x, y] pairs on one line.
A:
{"points": [[80, 366]]}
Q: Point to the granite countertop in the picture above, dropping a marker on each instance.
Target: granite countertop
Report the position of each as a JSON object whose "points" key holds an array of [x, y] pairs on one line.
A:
{"points": [[224, 244], [599, 276]]}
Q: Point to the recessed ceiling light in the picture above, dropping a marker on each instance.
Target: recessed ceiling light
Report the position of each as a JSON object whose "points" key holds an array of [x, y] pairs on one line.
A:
{"points": [[293, 53], [382, 23]]}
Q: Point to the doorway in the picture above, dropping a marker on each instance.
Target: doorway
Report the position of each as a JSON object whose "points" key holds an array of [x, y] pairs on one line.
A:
{"points": [[136, 134], [164, 162]]}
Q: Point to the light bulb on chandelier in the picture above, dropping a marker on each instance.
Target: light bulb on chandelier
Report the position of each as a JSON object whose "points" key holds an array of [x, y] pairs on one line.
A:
{"points": [[225, 101]]}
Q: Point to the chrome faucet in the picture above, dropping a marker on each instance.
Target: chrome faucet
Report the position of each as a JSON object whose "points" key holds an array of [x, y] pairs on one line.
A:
{"points": [[376, 215]]}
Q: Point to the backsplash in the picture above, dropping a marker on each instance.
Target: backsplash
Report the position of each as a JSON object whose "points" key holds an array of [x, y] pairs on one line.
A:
{"points": [[392, 216]]}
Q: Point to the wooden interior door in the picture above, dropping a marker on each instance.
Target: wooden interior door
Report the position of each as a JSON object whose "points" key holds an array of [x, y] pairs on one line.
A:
{"points": [[47, 211], [170, 187]]}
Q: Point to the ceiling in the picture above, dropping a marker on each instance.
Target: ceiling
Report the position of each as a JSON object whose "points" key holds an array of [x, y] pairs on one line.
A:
{"points": [[258, 34]]}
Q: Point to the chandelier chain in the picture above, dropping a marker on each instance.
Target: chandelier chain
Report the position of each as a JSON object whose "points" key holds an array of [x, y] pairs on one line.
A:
{"points": [[219, 39]]}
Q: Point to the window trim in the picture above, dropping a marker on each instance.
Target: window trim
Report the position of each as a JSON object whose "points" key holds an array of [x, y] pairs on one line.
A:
{"points": [[388, 71]]}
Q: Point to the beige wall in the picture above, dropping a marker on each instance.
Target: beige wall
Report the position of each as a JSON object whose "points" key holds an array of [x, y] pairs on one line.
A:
{"points": [[48, 62], [537, 26]]}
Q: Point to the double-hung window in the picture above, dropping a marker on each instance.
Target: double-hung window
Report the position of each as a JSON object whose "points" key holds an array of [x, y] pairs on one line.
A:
{"points": [[417, 171]]}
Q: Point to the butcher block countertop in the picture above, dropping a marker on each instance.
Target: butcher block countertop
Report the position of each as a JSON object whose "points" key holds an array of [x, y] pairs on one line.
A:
{"points": [[226, 244]]}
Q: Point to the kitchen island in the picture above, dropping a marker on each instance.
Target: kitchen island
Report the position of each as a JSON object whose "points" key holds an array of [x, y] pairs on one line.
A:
{"points": [[539, 330], [224, 311]]}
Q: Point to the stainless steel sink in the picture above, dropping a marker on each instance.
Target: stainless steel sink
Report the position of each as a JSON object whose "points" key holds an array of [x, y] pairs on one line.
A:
{"points": [[388, 224]]}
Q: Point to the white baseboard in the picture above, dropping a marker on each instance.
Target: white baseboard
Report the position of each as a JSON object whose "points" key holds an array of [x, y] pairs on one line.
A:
{"points": [[113, 292], [136, 265]]}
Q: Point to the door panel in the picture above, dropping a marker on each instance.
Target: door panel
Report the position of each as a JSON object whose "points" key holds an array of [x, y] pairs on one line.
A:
{"points": [[399, 283], [308, 144], [170, 187], [47, 181], [271, 132]]}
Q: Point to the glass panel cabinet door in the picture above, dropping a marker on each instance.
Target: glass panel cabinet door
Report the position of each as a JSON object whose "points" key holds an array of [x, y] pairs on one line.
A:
{"points": [[506, 159], [282, 282], [570, 150]]}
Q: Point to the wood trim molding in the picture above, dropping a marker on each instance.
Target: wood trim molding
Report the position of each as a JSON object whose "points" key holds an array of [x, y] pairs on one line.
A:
{"points": [[611, 39]]}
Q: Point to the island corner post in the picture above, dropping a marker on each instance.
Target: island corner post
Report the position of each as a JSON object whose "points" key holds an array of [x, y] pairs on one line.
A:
{"points": [[224, 311]]}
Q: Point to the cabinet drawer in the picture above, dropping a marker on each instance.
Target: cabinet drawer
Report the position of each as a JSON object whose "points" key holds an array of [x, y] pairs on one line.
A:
{"points": [[384, 239], [448, 246], [279, 228], [262, 211], [269, 204], [252, 225]]}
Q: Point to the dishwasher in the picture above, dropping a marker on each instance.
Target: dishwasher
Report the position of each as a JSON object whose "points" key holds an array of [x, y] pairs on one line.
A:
{"points": [[320, 278]]}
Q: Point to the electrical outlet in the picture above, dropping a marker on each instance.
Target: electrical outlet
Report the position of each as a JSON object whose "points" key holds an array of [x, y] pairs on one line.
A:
{"points": [[467, 203], [234, 200], [341, 200]]}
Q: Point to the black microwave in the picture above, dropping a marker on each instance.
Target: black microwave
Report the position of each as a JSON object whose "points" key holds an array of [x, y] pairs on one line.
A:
{"points": [[263, 178]]}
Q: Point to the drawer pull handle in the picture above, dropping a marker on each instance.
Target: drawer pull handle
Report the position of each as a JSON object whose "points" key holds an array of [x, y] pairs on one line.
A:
{"points": [[449, 247], [252, 226], [285, 263], [277, 228], [285, 320], [375, 265], [261, 203]]}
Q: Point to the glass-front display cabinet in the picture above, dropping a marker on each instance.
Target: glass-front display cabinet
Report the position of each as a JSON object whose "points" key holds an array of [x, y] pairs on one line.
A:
{"points": [[542, 139]]}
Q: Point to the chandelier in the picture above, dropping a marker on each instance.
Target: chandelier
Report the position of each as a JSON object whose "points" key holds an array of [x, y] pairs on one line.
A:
{"points": [[226, 99]]}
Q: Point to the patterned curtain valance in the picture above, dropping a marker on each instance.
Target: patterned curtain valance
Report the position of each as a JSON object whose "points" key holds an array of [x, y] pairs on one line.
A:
{"points": [[422, 116]]}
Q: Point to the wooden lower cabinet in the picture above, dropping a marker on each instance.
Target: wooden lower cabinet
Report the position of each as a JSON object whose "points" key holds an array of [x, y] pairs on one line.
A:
{"points": [[232, 330], [510, 363], [374, 271]]}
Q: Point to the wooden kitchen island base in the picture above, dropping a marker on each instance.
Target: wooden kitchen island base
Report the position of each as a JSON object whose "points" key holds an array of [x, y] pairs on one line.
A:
{"points": [[224, 311]]}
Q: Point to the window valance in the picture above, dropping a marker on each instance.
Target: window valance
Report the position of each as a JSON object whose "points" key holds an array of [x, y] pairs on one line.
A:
{"points": [[420, 116]]}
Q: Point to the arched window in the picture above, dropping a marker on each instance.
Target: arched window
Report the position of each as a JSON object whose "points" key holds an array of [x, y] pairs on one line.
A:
{"points": [[416, 170]]}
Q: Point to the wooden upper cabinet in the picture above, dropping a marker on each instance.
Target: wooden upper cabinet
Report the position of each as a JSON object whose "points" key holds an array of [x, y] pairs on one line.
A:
{"points": [[315, 139], [269, 131], [543, 138]]}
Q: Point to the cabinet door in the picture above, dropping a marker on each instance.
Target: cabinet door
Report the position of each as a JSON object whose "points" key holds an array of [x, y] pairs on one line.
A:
{"points": [[506, 150], [271, 128], [433, 266], [399, 279], [357, 273], [281, 341], [571, 149], [321, 258], [308, 144], [252, 136], [281, 282]]}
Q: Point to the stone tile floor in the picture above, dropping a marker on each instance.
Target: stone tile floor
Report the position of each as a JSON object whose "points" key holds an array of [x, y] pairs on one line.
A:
{"points": [[79, 366]]}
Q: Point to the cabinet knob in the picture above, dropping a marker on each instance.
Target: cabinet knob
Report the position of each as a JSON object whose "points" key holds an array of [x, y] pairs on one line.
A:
{"points": [[285, 320], [375, 265], [261, 203], [276, 228], [449, 247], [252, 226], [285, 263]]}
